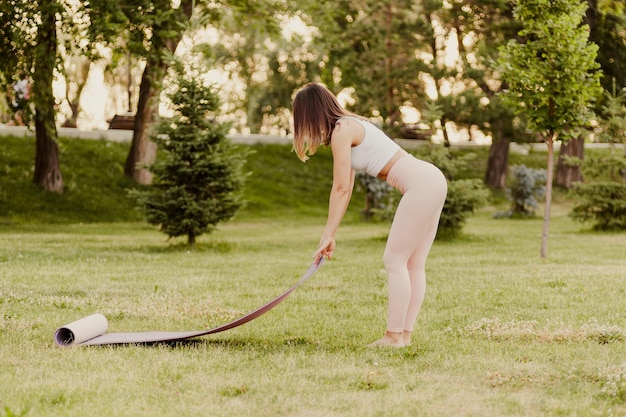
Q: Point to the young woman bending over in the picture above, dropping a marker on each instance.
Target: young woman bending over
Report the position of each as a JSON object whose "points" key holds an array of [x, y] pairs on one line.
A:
{"points": [[358, 145]]}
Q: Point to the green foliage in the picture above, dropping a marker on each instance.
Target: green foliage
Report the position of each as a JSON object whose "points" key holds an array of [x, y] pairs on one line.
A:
{"points": [[602, 203], [601, 200], [32, 54], [605, 166], [551, 72], [198, 177], [612, 128], [380, 197], [608, 33], [528, 184], [465, 196], [372, 40], [551, 82], [140, 28]]}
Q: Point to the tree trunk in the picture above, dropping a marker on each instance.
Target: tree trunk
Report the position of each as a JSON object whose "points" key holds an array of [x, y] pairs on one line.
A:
{"points": [[569, 173], [446, 137], [143, 151], [546, 212], [47, 169], [498, 162]]}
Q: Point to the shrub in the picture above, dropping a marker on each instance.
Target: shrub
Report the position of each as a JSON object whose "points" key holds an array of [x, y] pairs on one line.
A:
{"points": [[601, 200], [380, 197], [528, 184], [465, 196], [601, 203]]}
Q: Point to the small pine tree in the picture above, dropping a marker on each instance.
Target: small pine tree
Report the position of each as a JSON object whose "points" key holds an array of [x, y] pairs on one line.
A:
{"points": [[198, 175]]}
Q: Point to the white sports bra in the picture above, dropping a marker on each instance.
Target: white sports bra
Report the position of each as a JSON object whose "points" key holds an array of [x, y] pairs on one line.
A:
{"points": [[376, 149]]}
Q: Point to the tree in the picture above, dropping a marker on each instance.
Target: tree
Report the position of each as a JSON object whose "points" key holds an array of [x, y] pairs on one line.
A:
{"points": [[552, 82], [29, 50], [468, 88], [416, 50], [198, 182], [76, 72]]}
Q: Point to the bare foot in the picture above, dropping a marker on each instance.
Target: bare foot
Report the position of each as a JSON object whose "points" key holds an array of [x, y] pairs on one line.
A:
{"points": [[390, 339]]}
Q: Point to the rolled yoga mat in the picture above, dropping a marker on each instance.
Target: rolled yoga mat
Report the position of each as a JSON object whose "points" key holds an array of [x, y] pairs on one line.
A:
{"points": [[91, 330]]}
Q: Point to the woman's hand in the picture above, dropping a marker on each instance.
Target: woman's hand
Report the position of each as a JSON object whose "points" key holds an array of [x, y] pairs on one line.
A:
{"points": [[326, 248]]}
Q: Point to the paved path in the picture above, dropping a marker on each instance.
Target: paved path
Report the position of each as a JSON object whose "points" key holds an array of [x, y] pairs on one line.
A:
{"points": [[116, 135]]}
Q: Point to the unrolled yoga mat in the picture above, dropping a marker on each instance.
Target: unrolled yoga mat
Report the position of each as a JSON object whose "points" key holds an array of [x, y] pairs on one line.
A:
{"points": [[91, 330]]}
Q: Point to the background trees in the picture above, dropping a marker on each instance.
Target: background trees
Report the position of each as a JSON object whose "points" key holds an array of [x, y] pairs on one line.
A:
{"points": [[370, 40], [427, 65]]}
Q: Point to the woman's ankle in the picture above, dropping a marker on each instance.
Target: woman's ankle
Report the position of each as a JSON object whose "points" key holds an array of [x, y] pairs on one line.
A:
{"points": [[406, 337], [393, 339], [396, 336]]}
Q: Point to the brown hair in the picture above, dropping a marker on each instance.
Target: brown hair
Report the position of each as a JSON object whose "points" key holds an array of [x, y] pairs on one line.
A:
{"points": [[315, 112]]}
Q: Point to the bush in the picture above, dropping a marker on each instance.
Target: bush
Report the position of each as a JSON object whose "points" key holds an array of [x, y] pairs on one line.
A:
{"points": [[380, 197], [601, 200], [528, 184], [602, 203], [465, 196]]}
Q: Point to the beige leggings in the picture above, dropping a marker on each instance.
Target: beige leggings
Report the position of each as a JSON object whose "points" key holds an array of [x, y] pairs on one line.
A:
{"points": [[413, 230]]}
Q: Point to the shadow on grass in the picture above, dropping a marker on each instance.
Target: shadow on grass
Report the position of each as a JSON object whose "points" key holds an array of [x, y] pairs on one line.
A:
{"points": [[266, 345], [280, 345], [215, 246]]}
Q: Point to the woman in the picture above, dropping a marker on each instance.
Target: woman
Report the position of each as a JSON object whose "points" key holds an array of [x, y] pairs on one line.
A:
{"points": [[357, 144]]}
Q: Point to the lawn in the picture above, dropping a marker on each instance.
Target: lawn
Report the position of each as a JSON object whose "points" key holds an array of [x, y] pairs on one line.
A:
{"points": [[502, 332]]}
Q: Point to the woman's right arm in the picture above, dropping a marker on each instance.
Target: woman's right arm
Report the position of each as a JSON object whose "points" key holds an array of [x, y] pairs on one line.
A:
{"points": [[341, 191]]}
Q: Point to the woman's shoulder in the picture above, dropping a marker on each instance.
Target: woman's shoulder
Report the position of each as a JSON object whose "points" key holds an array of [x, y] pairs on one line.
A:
{"points": [[350, 128], [351, 120], [351, 117]]}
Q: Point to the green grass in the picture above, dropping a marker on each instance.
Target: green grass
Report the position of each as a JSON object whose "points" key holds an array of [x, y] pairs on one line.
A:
{"points": [[502, 332]]}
